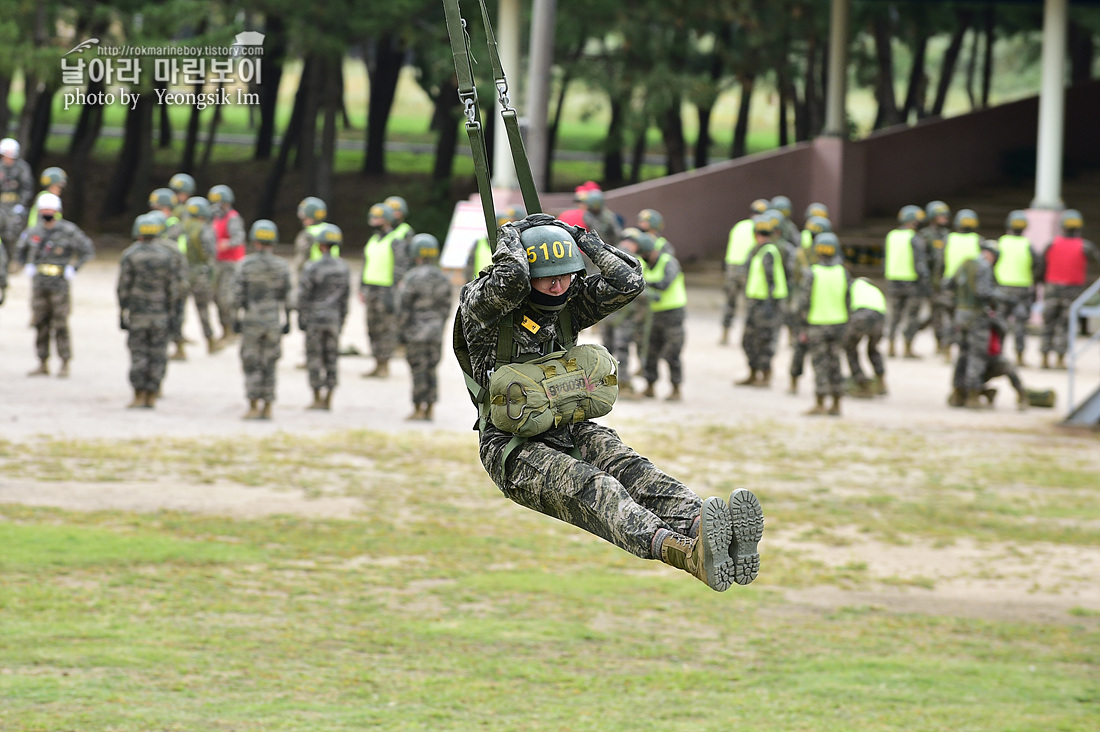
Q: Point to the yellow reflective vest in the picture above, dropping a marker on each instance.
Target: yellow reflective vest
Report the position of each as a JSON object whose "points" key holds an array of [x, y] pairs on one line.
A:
{"points": [[1014, 265], [900, 260], [741, 241], [866, 296], [959, 248], [675, 295], [756, 285], [378, 267], [315, 249], [829, 295]]}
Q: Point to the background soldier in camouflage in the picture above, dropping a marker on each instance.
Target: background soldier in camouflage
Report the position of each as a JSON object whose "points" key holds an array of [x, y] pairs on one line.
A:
{"points": [[666, 297], [800, 262], [866, 320], [323, 292], [1015, 273], [261, 287], [599, 218], [630, 324], [161, 204], [3, 274], [934, 236], [740, 246], [16, 192], [765, 293], [229, 242], [906, 270], [51, 253], [148, 298], [823, 307], [383, 255], [976, 296], [53, 180], [197, 244], [608, 489], [1064, 268], [994, 364], [423, 303]]}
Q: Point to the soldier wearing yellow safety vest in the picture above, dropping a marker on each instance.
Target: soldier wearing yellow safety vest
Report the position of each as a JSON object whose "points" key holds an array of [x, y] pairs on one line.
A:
{"points": [[653, 223], [1015, 274], [631, 323], [481, 256], [198, 245], [765, 292], [866, 320], [962, 244], [667, 295], [788, 232], [312, 212], [404, 232], [823, 307], [906, 266], [799, 262], [381, 255], [741, 243], [814, 210], [934, 236]]}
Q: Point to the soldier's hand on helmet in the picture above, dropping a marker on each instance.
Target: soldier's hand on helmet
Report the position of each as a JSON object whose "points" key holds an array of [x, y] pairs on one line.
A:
{"points": [[70, 272], [29, 269], [236, 326], [539, 219]]}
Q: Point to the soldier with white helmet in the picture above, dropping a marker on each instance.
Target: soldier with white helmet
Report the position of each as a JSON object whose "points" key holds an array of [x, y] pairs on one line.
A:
{"points": [[16, 192]]}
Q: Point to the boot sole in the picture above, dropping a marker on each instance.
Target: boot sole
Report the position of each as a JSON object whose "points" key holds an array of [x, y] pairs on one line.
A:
{"points": [[716, 534], [747, 522]]}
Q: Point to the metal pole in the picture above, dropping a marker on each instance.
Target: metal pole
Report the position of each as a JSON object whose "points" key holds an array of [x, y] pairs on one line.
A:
{"points": [[504, 170], [543, 15], [836, 123], [1052, 97]]}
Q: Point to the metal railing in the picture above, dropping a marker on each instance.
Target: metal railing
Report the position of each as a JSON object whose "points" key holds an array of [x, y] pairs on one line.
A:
{"points": [[1079, 309]]}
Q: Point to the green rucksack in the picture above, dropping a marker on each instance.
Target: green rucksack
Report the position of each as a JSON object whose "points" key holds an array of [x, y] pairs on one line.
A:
{"points": [[565, 387]]}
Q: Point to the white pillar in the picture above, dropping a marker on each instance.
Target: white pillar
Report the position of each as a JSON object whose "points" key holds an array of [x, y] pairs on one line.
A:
{"points": [[836, 123], [1052, 99], [507, 30], [541, 52]]}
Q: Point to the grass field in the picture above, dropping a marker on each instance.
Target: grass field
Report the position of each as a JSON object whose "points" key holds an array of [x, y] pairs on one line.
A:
{"points": [[444, 606]]}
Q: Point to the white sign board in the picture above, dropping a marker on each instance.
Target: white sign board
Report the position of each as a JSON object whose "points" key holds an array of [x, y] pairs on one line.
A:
{"points": [[467, 226]]}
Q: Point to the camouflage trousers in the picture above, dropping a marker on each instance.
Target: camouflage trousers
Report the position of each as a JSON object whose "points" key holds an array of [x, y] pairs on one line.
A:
{"points": [[732, 287], [825, 345], [869, 324], [423, 361], [762, 321], [11, 226], [666, 342], [260, 351], [972, 337], [1056, 302], [903, 302], [612, 491], [50, 307], [939, 319], [1015, 310], [381, 322], [620, 333], [200, 291], [991, 368], [322, 349], [148, 356], [225, 273], [799, 349]]}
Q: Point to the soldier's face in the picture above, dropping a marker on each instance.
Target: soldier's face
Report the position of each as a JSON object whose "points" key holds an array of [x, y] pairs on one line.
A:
{"points": [[556, 285]]}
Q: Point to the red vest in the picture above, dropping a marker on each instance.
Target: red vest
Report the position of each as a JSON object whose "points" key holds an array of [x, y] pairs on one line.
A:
{"points": [[1066, 263], [221, 231]]}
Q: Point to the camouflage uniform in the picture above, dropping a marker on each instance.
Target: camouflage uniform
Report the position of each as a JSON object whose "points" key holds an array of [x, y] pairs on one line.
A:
{"points": [[169, 240], [976, 295], [16, 193], [605, 223], [630, 325], [423, 303], [611, 491], [380, 302], [869, 324], [824, 341], [323, 291], [51, 250], [148, 294], [762, 321], [200, 253], [993, 365], [904, 297], [1056, 302], [801, 259], [666, 329], [224, 272], [934, 238], [260, 288]]}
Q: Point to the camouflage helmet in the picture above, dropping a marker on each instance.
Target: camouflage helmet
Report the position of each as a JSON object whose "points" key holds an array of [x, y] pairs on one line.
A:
{"points": [[198, 207], [643, 239], [593, 200], [818, 224], [424, 246], [53, 176], [1072, 220], [399, 205], [817, 209], [159, 216], [147, 226], [312, 207], [161, 198], [775, 215], [1016, 220], [329, 234], [221, 194], [759, 206], [382, 211], [782, 204], [826, 244], [652, 219], [182, 183], [966, 219], [508, 214], [550, 251], [763, 224], [937, 208], [910, 214], [264, 231], [989, 245]]}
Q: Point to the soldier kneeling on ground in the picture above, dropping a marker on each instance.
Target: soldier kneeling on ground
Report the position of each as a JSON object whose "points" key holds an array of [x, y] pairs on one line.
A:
{"points": [[515, 337]]}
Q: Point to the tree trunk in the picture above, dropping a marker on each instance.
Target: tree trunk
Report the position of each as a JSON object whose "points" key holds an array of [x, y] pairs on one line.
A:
{"points": [[165, 140], [191, 142], [35, 146], [637, 153], [84, 139], [331, 104], [306, 157], [613, 146], [741, 127], [950, 59], [884, 80], [805, 119], [274, 58], [445, 118], [383, 71], [702, 144], [265, 207], [989, 16], [914, 93], [972, 67], [784, 126], [5, 110], [129, 166], [672, 131], [1081, 54], [212, 131]]}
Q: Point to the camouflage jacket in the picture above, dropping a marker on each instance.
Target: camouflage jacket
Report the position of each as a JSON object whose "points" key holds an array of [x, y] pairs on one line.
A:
{"points": [[60, 245], [605, 223], [423, 303], [323, 292], [974, 287], [260, 289], [148, 284], [16, 184], [934, 238]]}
